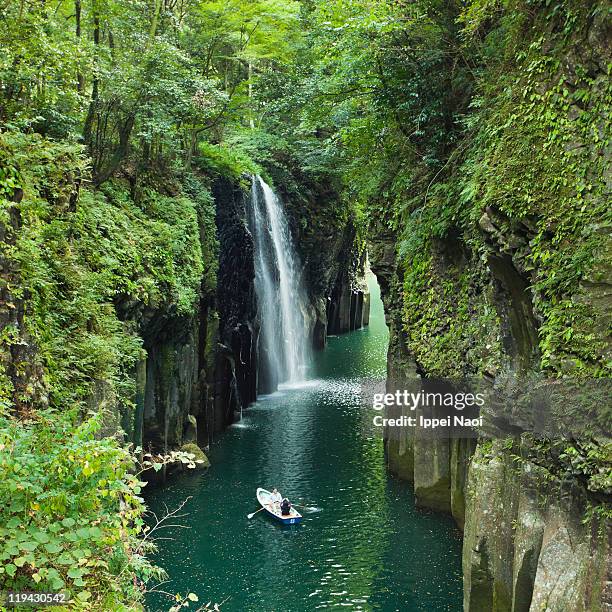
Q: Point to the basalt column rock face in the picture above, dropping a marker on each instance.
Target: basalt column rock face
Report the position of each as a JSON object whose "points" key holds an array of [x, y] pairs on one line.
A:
{"points": [[166, 383], [175, 382], [482, 302], [235, 367], [334, 260], [401, 366], [200, 370], [348, 304], [528, 544]]}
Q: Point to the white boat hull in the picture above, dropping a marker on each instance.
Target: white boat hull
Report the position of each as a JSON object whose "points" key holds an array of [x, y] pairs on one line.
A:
{"points": [[273, 509]]}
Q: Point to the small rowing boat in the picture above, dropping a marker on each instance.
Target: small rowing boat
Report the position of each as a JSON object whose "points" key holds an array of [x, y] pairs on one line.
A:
{"points": [[273, 509]]}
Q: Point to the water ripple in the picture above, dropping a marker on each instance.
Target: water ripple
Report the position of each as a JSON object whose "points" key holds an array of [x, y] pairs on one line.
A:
{"points": [[362, 544]]}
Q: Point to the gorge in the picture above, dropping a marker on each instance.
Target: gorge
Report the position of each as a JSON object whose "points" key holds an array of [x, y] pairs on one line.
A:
{"points": [[220, 221], [309, 440]]}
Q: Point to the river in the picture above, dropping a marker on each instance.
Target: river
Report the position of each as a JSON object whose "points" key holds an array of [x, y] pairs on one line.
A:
{"points": [[362, 545]]}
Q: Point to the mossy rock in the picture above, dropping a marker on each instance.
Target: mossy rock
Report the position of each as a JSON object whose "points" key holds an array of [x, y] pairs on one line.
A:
{"points": [[198, 453]]}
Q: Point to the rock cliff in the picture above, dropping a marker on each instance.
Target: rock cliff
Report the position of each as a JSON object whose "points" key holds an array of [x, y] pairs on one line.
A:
{"points": [[200, 371], [516, 286]]}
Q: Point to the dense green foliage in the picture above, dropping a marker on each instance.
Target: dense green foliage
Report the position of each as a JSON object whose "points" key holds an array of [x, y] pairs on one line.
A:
{"points": [[439, 114], [464, 131], [82, 273], [70, 513], [115, 119]]}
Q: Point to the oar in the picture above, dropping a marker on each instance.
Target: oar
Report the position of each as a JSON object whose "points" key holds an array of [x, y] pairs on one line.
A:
{"points": [[250, 516]]}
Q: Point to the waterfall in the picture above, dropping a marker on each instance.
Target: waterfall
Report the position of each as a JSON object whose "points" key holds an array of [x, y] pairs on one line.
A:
{"points": [[284, 345]]}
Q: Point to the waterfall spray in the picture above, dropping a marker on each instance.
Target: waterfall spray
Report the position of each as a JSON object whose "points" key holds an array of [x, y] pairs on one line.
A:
{"points": [[284, 345]]}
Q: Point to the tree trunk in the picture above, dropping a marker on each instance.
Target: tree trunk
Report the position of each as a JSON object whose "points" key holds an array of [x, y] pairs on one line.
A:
{"points": [[91, 113], [251, 120], [155, 21], [125, 131], [77, 12]]}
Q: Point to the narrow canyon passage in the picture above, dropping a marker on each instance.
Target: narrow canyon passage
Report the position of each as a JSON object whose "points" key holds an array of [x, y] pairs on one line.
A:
{"points": [[194, 198], [362, 545]]}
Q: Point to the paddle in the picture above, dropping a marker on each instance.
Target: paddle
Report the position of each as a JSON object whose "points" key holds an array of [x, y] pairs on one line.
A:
{"points": [[250, 516]]}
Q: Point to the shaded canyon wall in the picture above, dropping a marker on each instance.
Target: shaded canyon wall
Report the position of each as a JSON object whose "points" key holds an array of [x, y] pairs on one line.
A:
{"points": [[201, 371], [482, 302]]}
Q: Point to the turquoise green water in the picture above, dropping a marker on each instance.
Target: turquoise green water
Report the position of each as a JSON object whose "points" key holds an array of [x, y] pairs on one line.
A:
{"points": [[362, 545]]}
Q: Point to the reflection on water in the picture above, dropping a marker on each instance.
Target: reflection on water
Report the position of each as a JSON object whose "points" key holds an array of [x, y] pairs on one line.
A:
{"points": [[362, 544]]}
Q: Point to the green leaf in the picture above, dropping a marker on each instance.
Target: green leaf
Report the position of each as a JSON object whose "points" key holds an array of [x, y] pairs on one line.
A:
{"points": [[53, 548], [57, 584], [30, 545], [41, 537], [83, 533], [65, 559], [75, 572]]}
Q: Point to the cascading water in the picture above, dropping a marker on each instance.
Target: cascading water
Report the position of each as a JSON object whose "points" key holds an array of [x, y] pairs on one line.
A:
{"points": [[283, 341]]}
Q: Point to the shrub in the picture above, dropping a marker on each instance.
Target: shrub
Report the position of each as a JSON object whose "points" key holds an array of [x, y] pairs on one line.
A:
{"points": [[70, 513]]}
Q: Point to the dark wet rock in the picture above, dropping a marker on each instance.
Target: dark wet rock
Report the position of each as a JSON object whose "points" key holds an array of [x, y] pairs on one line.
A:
{"points": [[200, 372]]}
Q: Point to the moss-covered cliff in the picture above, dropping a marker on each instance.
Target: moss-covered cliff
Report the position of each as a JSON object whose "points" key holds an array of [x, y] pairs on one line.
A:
{"points": [[100, 299], [502, 270], [139, 297]]}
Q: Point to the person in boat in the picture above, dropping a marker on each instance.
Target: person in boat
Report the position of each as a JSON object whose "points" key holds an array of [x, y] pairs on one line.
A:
{"points": [[276, 497], [285, 507]]}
